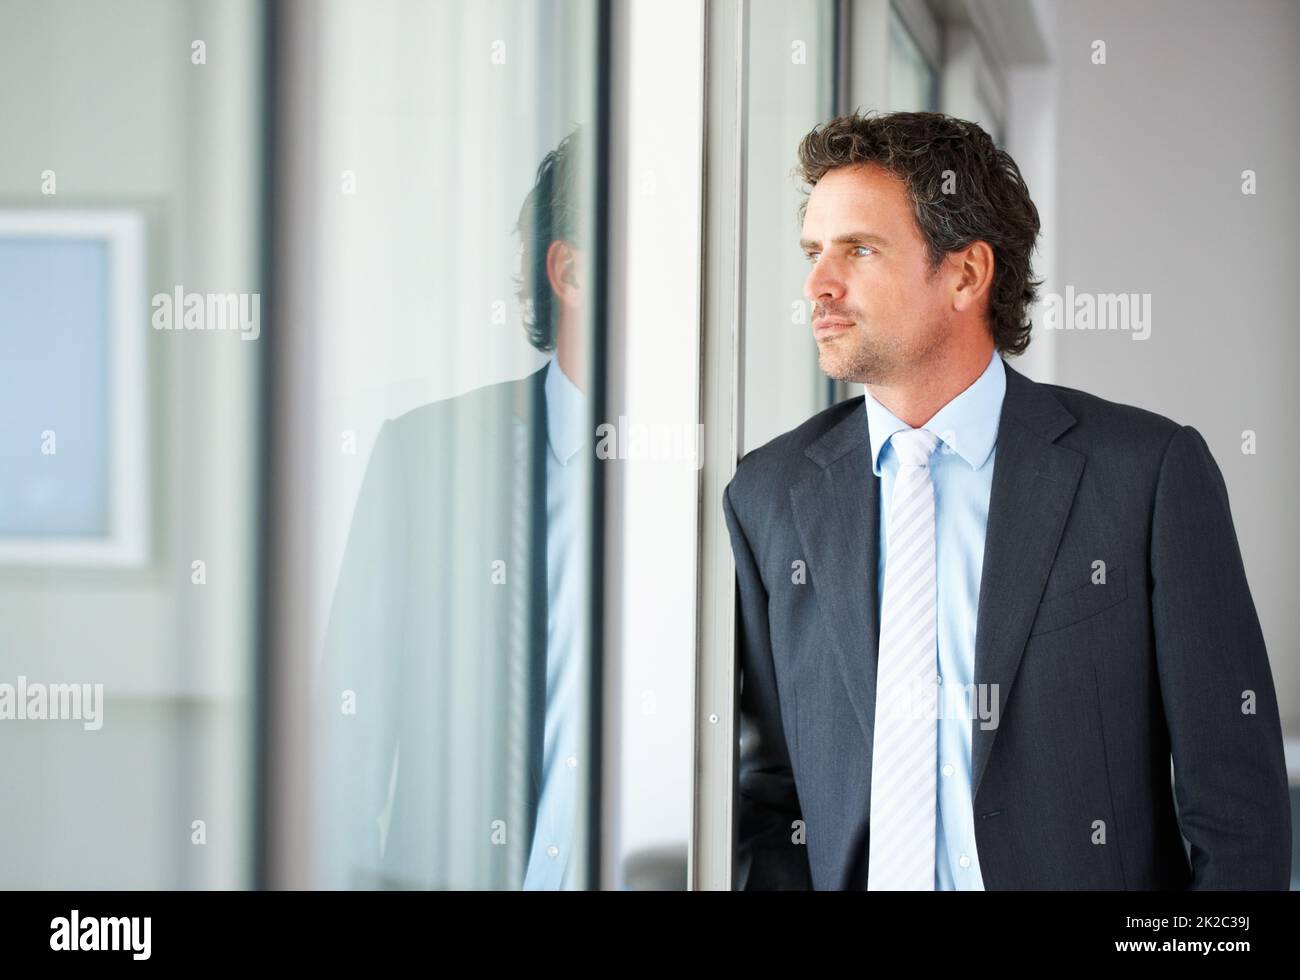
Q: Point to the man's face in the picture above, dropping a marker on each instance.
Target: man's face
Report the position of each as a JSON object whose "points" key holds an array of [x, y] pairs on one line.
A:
{"points": [[879, 315]]}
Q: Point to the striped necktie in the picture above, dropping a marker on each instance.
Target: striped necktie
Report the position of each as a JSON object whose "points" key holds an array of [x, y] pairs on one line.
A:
{"points": [[905, 739]]}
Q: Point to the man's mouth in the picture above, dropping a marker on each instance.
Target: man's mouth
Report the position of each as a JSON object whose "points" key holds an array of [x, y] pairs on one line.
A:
{"points": [[829, 327]]}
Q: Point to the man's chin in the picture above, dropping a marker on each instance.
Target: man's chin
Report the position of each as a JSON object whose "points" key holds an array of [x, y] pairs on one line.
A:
{"points": [[837, 372], [851, 365], [833, 362]]}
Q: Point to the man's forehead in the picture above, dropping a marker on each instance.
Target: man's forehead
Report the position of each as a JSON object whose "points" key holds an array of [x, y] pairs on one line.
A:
{"points": [[863, 181], [853, 198]]}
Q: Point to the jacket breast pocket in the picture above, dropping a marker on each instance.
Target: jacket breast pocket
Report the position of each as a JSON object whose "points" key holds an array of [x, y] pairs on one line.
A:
{"points": [[1059, 611]]}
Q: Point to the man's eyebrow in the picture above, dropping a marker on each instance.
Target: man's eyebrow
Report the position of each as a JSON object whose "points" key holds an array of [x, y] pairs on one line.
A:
{"points": [[852, 238]]}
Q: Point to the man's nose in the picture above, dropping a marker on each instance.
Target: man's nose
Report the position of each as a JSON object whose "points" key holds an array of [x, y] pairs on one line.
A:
{"points": [[823, 283]]}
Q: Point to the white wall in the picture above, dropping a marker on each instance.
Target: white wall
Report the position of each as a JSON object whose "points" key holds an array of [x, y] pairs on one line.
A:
{"points": [[1151, 147]]}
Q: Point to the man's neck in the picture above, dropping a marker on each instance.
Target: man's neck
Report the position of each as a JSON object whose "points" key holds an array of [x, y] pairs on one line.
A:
{"points": [[570, 353], [919, 398]]}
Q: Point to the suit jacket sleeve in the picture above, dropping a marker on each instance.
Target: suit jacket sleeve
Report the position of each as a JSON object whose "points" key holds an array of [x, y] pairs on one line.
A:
{"points": [[767, 856], [1230, 778], [357, 696]]}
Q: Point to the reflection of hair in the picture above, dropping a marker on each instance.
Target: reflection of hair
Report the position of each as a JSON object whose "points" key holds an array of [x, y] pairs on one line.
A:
{"points": [[991, 202], [549, 213]]}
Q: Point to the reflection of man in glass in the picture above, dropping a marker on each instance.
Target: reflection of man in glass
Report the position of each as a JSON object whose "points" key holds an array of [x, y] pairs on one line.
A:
{"points": [[452, 680]]}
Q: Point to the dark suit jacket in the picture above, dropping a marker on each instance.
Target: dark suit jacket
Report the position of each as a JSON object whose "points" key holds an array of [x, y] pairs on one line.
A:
{"points": [[443, 651], [1098, 684]]}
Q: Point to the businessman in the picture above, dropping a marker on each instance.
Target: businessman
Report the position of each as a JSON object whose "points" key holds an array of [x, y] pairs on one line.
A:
{"points": [[450, 690], [981, 618]]}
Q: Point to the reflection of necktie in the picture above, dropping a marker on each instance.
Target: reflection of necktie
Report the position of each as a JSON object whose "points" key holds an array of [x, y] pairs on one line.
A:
{"points": [[905, 739], [538, 595]]}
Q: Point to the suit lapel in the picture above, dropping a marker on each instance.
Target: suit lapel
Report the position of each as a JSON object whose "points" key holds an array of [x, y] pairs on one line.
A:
{"points": [[837, 514], [1034, 482]]}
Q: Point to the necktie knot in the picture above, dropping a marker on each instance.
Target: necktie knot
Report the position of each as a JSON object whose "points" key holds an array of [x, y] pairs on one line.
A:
{"points": [[914, 446]]}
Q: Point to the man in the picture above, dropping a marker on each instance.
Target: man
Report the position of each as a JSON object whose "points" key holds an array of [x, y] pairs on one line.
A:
{"points": [[979, 615], [451, 687]]}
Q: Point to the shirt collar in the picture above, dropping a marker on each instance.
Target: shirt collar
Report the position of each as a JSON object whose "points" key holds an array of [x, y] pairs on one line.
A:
{"points": [[566, 413], [968, 425]]}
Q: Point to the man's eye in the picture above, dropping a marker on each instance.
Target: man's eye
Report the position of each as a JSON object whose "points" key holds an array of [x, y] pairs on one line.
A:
{"points": [[813, 256]]}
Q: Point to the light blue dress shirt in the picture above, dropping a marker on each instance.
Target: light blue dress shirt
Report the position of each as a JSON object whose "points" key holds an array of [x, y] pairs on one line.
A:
{"points": [[568, 476], [961, 470]]}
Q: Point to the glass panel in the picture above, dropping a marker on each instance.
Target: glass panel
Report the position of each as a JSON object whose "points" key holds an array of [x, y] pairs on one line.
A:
{"points": [[791, 89], [982, 115], [913, 84], [791, 76], [456, 261]]}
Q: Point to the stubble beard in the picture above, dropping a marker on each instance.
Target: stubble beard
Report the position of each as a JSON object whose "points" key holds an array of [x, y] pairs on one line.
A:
{"points": [[858, 356], [852, 356]]}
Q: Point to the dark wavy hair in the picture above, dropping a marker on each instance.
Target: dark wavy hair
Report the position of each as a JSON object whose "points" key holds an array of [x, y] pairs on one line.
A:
{"points": [[990, 201], [549, 213]]}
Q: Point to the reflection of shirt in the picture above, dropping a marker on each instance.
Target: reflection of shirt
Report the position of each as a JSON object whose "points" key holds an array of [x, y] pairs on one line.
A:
{"points": [[567, 486], [962, 472]]}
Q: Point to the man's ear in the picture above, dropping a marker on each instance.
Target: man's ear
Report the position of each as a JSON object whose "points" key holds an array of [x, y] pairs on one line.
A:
{"points": [[561, 261], [975, 267]]}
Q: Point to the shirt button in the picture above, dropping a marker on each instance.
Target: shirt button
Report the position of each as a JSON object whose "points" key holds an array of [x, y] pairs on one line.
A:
{"points": [[964, 861], [572, 762], [552, 851], [947, 770], [938, 678]]}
